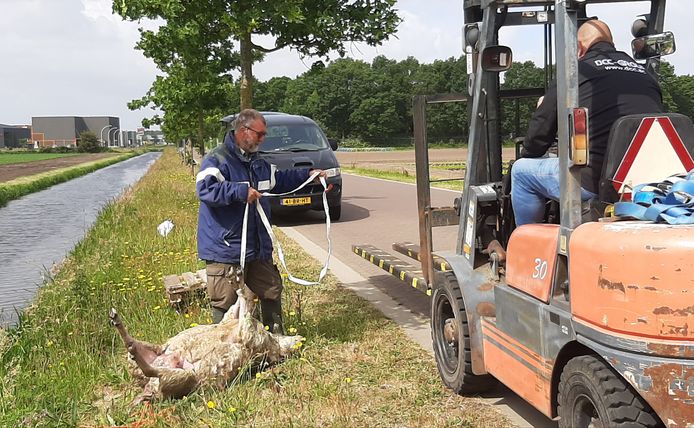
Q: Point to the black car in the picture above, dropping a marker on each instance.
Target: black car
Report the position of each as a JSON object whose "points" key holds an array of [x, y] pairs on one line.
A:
{"points": [[298, 142]]}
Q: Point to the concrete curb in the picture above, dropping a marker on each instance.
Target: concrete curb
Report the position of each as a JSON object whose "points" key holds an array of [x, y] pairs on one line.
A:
{"points": [[416, 327]]}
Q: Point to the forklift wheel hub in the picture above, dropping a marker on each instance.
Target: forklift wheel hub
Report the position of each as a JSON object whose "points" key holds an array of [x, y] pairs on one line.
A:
{"points": [[450, 331]]}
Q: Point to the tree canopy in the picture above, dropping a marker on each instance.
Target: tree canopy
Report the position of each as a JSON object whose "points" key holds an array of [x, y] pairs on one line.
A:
{"points": [[201, 43], [200, 36]]}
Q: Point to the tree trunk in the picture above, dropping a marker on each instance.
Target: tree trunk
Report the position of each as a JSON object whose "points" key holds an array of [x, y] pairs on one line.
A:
{"points": [[201, 136], [246, 72]]}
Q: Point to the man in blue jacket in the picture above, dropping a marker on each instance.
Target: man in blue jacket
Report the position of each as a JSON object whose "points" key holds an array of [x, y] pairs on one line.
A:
{"points": [[231, 176]]}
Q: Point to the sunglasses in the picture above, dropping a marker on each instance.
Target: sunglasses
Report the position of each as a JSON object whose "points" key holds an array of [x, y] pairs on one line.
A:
{"points": [[260, 134]]}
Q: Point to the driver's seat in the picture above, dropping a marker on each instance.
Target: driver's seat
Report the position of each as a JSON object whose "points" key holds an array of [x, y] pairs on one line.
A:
{"points": [[645, 148]]}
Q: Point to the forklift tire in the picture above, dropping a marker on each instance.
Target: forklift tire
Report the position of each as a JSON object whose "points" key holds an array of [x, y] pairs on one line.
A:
{"points": [[454, 358], [591, 394]]}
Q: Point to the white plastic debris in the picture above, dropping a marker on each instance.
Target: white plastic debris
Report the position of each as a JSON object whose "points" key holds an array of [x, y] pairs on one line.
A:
{"points": [[165, 228]]}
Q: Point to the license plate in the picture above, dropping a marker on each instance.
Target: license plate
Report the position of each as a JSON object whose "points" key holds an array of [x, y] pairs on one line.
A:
{"points": [[295, 201]]}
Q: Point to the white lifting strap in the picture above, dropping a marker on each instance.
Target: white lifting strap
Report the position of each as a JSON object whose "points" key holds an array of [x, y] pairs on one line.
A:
{"points": [[276, 243]]}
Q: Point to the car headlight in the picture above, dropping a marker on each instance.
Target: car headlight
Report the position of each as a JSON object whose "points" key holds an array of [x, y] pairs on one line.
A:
{"points": [[332, 172]]}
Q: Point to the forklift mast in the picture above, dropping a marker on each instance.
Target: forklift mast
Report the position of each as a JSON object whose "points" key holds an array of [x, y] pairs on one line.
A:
{"points": [[483, 19]]}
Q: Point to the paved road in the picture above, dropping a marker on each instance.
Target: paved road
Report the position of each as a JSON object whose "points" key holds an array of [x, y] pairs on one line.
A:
{"points": [[381, 212]]}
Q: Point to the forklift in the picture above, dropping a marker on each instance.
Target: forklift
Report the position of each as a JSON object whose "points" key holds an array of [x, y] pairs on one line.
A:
{"points": [[587, 318]]}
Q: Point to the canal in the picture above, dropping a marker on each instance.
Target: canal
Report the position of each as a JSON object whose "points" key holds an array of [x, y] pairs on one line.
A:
{"points": [[39, 230]]}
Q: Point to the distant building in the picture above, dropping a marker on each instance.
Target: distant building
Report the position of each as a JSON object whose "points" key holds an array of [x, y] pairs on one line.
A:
{"points": [[153, 137], [14, 136], [65, 130]]}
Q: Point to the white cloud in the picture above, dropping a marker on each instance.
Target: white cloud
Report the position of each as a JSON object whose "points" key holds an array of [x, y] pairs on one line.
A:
{"points": [[70, 58], [416, 36]]}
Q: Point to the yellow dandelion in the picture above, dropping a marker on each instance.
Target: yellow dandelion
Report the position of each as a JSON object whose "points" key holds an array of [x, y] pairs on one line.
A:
{"points": [[292, 313], [348, 380], [267, 327], [193, 324], [156, 308], [49, 343], [231, 409], [211, 404], [292, 330], [187, 315]]}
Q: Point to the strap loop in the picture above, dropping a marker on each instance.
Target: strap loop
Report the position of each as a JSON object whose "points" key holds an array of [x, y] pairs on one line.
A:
{"points": [[275, 242]]}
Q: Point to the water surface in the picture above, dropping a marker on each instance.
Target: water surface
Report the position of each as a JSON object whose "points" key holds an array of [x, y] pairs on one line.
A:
{"points": [[38, 230]]}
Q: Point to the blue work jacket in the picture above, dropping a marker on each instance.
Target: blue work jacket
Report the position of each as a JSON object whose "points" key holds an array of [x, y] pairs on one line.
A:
{"points": [[222, 187]]}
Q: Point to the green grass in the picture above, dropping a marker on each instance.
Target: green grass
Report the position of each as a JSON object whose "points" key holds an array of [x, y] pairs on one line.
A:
{"points": [[65, 366], [9, 158], [403, 176], [407, 177], [19, 187]]}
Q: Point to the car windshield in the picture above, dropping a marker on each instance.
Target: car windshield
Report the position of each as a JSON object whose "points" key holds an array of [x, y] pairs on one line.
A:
{"points": [[294, 138]]}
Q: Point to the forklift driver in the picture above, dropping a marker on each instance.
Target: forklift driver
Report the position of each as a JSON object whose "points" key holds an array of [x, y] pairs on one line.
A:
{"points": [[611, 85]]}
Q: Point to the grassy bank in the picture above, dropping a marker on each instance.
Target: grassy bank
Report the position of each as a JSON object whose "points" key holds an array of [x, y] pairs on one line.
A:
{"points": [[441, 170], [65, 366], [404, 176], [19, 187]]}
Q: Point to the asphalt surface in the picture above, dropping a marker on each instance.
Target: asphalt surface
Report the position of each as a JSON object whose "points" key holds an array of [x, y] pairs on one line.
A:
{"points": [[380, 212]]}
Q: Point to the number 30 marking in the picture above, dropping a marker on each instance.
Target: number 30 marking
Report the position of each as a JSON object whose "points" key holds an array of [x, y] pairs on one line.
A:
{"points": [[540, 269]]}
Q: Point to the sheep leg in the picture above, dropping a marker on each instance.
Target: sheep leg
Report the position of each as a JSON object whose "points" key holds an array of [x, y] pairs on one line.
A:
{"points": [[143, 352]]}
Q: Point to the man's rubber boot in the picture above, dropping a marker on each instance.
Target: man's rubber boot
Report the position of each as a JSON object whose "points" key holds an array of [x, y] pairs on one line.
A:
{"points": [[272, 315], [217, 315]]}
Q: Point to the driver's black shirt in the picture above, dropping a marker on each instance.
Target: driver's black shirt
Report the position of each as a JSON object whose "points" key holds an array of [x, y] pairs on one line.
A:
{"points": [[611, 85]]}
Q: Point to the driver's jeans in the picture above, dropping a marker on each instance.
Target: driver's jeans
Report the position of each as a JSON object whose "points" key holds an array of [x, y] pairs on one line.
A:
{"points": [[533, 181]]}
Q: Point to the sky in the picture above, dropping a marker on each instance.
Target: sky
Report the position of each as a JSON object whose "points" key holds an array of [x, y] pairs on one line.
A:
{"points": [[75, 58]]}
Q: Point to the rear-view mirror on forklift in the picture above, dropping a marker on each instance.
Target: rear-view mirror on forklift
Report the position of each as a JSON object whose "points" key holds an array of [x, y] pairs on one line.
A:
{"points": [[496, 58], [579, 136], [653, 45]]}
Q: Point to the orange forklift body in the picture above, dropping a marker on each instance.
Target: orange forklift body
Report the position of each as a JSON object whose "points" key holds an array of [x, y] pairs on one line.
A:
{"points": [[644, 289], [534, 247], [636, 296]]}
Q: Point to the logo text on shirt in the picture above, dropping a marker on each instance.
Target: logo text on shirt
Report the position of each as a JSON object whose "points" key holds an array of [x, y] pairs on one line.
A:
{"points": [[621, 65]]}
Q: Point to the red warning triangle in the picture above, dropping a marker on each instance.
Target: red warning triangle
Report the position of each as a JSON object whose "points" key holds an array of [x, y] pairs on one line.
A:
{"points": [[655, 153]]}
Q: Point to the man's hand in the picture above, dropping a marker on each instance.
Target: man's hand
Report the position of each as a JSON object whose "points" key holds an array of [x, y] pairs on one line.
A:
{"points": [[253, 195], [320, 172]]}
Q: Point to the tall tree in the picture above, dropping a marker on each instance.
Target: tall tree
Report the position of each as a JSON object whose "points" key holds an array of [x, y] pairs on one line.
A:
{"points": [[311, 27], [195, 54], [516, 113]]}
